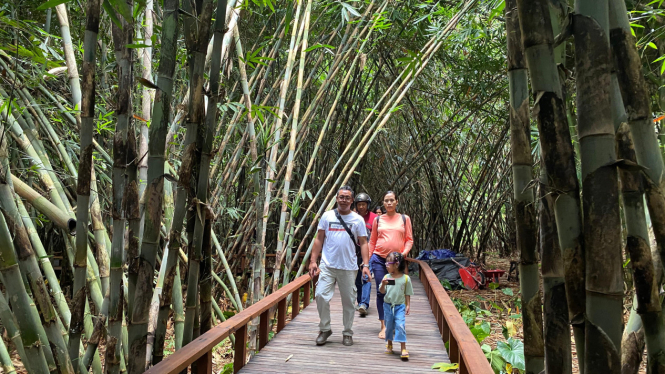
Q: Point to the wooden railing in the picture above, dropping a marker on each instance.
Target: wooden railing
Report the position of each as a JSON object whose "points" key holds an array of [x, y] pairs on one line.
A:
{"points": [[199, 352], [462, 345]]}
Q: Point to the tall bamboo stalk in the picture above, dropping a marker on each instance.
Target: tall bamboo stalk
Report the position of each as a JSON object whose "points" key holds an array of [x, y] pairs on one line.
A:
{"points": [[557, 151], [292, 148], [16, 292], [155, 188], [637, 245], [196, 39], [602, 224], [525, 207], [84, 177], [637, 104], [122, 36], [147, 97]]}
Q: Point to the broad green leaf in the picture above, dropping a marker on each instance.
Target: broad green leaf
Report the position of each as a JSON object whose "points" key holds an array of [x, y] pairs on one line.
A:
{"points": [[512, 352], [480, 331], [51, 4], [508, 291]]}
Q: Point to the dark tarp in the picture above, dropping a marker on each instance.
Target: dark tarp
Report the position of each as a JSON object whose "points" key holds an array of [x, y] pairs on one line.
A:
{"points": [[446, 269]]}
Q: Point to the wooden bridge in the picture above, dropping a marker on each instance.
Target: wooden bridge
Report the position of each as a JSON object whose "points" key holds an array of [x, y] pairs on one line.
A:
{"points": [[434, 320]]}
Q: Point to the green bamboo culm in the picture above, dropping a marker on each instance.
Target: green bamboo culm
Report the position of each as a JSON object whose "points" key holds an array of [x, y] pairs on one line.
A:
{"points": [[558, 155], [122, 36], [155, 182], [636, 99], [202, 241], [641, 262], [602, 223], [93, 12], [5, 360], [196, 39], [525, 207], [35, 360]]}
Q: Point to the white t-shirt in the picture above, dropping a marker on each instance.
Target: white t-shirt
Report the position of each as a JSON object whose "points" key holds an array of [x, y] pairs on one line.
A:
{"points": [[338, 250]]}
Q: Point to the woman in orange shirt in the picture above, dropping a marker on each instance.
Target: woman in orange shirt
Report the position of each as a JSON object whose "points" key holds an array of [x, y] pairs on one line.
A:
{"points": [[391, 232]]}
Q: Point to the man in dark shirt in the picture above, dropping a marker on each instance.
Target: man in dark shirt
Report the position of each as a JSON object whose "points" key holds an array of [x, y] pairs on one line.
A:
{"points": [[364, 286]]}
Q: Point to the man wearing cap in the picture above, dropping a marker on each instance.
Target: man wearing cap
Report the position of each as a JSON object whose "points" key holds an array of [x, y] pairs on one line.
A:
{"points": [[364, 286]]}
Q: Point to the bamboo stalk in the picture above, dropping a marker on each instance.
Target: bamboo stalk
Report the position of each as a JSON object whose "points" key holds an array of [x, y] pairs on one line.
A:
{"points": [[70, 58], [525, 209], [84, 177], [602, 234], [122, 36]]}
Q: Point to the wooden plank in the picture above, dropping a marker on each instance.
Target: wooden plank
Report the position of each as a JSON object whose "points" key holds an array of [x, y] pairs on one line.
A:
{"points": [[297, 340]]}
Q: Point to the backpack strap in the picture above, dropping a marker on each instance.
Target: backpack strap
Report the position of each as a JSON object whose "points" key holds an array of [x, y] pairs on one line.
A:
{"points": [[376, 222], [404, 219]]}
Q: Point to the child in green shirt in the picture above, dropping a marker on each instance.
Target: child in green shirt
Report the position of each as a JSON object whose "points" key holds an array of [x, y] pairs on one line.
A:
{"points": [[396, 302]]}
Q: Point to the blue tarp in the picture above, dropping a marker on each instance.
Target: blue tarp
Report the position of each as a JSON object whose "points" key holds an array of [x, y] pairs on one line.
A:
{"points": [[436, 254]]}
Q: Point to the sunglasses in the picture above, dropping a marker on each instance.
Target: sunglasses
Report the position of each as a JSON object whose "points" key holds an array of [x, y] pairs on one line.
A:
{"points": [[392, 263]]}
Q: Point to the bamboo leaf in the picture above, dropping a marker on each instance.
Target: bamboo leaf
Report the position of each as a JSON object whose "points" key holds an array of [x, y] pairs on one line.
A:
{"points": [[319, 45], [51, 4]]}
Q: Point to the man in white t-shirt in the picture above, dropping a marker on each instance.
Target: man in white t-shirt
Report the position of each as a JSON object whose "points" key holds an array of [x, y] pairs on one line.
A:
{"points": [[339, 262]]}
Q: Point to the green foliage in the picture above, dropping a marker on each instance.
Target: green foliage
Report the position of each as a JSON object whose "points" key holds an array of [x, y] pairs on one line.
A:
{"points": [[512, 352]]}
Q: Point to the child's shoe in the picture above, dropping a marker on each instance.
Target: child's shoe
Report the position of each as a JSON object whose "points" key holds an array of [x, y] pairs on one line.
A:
{"points": [[389, 349], [405, 354]]}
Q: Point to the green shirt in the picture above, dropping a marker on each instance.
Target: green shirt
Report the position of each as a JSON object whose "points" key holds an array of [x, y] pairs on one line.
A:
{"points": [[395, 295]]}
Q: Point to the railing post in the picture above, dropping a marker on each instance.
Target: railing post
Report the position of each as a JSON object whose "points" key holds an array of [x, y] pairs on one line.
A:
{"points": [[263, 329], [295, 304], [281, 314], [462, 367], [453, 351], [204, 363], [240, 355], [306, 295]]}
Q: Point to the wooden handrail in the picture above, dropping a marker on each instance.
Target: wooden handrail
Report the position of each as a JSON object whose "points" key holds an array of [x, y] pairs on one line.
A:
{"points": [[463, 348], [199, 351]]}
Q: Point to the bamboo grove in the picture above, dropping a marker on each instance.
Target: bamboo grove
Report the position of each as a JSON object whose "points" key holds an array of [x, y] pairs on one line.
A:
{"points": [[164, 164]]}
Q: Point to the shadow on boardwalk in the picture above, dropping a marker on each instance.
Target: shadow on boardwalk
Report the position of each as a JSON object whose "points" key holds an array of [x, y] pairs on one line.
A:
{"points": [[367, 353]]}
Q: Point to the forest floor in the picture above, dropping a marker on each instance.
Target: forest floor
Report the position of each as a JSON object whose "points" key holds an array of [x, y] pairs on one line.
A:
{"points": [[504, 304]]}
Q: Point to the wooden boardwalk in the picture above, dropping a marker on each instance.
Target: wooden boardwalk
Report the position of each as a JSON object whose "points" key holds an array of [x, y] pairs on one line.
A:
{"points": [[367, 353]]}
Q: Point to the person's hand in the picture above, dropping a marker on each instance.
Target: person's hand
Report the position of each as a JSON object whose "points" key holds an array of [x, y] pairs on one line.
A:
{"points": [[366, 272], [313, 269], [408, 310], [384, 282]]}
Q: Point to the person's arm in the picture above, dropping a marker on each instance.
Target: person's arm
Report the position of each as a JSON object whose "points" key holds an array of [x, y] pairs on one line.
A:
{"points": [[408, 236], [373, 237], [316, 251], [408, 291], [364, 251], [384, 282]]}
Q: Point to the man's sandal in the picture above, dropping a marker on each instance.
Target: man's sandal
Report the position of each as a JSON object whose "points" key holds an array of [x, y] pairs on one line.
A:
{"points": [[389, 349], [405, 354]]}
